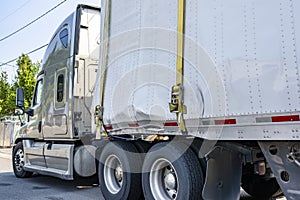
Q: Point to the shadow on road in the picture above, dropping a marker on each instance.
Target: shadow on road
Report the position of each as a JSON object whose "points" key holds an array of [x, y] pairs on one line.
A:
{"points": [[41, 187], [45, 187]]}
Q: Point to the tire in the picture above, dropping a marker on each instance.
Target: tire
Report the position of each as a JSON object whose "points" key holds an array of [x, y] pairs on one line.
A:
{"points": [[119, 171], [196, 148], [141, 146], [18, 161], [259, 187], [172, 171]]}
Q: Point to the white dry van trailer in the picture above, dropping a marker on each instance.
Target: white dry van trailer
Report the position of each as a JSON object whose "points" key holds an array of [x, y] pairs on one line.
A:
{"points": [[172, 99]]}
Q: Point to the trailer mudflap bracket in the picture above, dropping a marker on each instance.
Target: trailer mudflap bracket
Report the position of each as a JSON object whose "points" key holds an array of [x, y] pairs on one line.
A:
{"points": [[223, 175], [283, 158]]}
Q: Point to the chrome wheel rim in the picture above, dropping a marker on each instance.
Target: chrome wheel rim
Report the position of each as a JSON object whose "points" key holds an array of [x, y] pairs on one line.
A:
{"points": [[19, 160], [113, 174], [163, 180]]}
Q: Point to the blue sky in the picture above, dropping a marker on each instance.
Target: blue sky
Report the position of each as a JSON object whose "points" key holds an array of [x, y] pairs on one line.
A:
{"points": [[14, 14]]}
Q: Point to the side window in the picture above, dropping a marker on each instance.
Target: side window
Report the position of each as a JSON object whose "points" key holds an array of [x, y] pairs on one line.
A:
{"points": [[64, 37], [38, 93], [60, 88]]}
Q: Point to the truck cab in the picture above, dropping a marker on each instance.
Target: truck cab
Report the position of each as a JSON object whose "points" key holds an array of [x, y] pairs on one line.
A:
{"points": [[60, 112]]}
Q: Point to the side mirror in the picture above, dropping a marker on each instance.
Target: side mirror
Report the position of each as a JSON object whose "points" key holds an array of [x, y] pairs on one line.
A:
{"points": [[19, 112], [30, 112], [20, 98]]}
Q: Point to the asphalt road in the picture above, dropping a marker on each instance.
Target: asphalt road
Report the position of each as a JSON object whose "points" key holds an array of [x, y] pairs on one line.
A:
{"points": [[41, 187]]}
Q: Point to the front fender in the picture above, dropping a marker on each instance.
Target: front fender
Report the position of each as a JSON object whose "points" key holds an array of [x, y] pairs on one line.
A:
{"points": [[20, 133]]}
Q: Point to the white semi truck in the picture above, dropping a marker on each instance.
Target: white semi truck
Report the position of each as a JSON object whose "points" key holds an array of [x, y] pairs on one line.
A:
{"points": [[172, 99]]}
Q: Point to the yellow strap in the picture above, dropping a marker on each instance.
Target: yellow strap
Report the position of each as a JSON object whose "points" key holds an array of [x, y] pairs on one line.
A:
{"points": [[179, 63], [104, 52], [180, 42]]}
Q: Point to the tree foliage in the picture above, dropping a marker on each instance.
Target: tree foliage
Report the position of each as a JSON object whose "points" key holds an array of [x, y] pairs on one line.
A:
{"points": [[5, 95], [26, 78]]}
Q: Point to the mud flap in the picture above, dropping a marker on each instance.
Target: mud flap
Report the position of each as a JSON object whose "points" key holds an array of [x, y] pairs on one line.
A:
{"points": [[283, 158], [223, 175]]}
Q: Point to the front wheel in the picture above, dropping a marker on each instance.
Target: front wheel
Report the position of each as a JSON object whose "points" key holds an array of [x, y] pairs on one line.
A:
{"points": [[172, 171], [18, 161], [119, 171]]}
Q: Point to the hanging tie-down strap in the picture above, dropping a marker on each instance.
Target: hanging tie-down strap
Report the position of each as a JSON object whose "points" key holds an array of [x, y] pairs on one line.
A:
{"points": [[104, 62], [176, 104]]}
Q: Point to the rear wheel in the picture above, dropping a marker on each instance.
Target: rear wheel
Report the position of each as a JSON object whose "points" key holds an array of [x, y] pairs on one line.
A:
{"points": [[172, 171], [119, 171], [18, 161]]}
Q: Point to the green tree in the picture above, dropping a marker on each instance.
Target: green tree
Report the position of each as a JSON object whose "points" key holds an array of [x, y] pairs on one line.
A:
{"points": [[26, 77], [5, 96]]}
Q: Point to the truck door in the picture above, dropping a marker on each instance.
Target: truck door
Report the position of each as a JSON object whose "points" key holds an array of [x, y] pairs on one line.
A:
{"points": [[34, 129]]}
